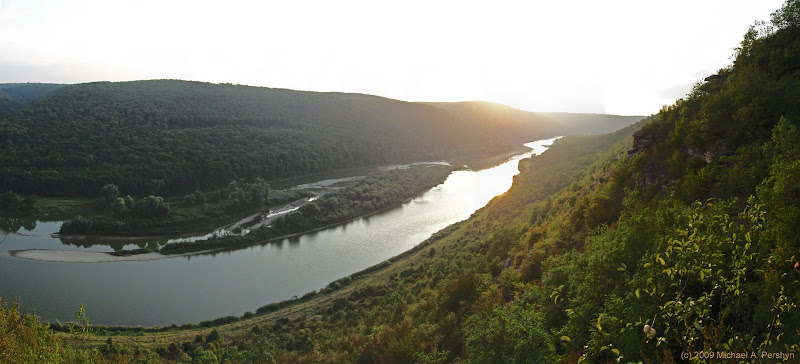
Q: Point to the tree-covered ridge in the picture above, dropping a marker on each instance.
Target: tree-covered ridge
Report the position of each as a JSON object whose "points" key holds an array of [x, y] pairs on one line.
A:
{"points": [[167, 137]]}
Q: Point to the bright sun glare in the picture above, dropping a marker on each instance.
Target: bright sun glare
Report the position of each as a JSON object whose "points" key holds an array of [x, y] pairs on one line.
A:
{"points": [[620, 57]]}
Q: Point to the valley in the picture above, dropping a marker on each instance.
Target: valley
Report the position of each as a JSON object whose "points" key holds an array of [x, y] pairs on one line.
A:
{"points": [[177, 221]]}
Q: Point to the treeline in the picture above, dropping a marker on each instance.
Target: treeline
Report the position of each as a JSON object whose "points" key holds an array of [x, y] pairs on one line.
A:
{"points": [[378, 191], [11, 202], [152, 215]]}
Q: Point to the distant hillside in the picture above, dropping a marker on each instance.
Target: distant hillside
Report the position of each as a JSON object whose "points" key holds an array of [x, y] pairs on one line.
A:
{"points": [[170, 137], [512, 120], [16, 95]]}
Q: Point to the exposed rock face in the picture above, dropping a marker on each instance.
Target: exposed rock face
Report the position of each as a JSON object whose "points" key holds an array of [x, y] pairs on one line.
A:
{"points": [[720, 77], [652, 175], [642, 142], [655, 174], [718, 149]]}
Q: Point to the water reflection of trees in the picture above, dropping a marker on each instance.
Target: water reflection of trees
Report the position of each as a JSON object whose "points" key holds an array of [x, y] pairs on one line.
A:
{"points": [[115, 244], [11, 225]]}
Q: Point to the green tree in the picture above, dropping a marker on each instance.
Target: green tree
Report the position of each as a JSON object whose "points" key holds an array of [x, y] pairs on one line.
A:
{"points": [[110, 193], [199, 197], [150, 207], [129, 202], [508, 335], [119, 209], [788, 15], [10, 201]]}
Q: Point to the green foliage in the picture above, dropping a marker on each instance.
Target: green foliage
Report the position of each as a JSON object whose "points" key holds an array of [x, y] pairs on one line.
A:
{"points": [[196, 197], [82, 328], [788, 15], [110, 193], [243, 195], [12, 202], [24, 340], [119, 208], [508, 334], [14, 96], [152, 215], [151, 207], [78, 225], [148, 211]]}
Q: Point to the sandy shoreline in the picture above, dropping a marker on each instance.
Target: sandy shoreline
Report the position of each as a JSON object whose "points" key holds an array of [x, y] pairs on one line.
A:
{"points": [[77, 256]]}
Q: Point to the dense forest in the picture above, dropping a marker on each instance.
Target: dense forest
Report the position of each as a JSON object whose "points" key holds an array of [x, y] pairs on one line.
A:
{"points": [[168, 137], [14, 96], [670, 237]]}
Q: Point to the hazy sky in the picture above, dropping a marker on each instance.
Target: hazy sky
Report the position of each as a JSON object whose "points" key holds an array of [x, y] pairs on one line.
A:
{"points": [[621, 57]]}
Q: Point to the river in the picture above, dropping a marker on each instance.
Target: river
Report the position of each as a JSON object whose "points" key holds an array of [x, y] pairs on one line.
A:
{"points": [[204, 287]]}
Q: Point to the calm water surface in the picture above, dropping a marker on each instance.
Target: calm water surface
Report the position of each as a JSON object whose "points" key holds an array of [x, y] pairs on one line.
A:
{"points": [[203, 287]]}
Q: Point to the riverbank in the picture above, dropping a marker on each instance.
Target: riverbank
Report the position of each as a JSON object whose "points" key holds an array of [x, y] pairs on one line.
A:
{"points": [[478, 163]]}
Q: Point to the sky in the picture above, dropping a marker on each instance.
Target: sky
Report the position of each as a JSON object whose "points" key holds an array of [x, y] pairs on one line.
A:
{"points": [[615, 57]]}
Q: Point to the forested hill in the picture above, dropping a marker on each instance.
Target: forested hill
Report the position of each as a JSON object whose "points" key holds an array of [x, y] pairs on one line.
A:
{"points": [[170, 137]]}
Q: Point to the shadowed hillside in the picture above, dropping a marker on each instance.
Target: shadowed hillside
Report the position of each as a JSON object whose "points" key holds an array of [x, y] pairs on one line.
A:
{"points": [[167, 137]]}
